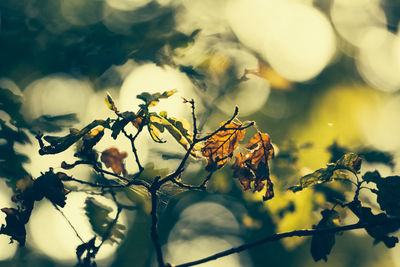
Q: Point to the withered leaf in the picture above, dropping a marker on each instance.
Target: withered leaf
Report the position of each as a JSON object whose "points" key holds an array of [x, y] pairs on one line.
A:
{"points": [[349, 161], [59, 144], [15, 227], [110, 103], [261, 149], [252, 166], [379, 232], [388, 195], [138, 122], [219, 147], [178, 128], [25, 197], [322, 244], [100, 220], [89, 140], [49, 185], [91, 251], [114, 159]]}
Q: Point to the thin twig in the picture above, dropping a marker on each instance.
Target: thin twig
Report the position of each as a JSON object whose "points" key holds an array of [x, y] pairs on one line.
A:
{"points": [[203, 185], [69, 222], [134, 150], [194, 118], [185, 186], [276, 237], [103, 186], [222, 127]]}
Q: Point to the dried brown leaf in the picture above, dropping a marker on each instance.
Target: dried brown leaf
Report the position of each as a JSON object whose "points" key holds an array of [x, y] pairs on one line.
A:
{"points": [[252, 166], [219, 147], [114, 159]]}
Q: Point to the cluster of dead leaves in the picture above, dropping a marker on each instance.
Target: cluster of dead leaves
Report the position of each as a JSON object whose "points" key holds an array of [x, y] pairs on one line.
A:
{"points": [[251, 167], [48, 185]]}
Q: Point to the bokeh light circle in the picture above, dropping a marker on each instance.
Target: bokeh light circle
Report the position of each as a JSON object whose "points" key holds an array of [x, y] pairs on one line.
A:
{"points": [[151, 78], [296, 39], [56, 94], [378, 60]]}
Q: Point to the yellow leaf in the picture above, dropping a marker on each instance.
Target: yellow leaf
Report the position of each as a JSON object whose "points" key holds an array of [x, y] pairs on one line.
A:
{"points": [[110, 103]]}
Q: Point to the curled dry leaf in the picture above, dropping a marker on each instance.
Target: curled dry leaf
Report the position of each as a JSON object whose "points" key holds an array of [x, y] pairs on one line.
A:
{"points": [[178, 128], [219, 147], [252, 166], [25, 198], [15, 227], [349, 161], [114, 159], [49, 185], [59, 144]]}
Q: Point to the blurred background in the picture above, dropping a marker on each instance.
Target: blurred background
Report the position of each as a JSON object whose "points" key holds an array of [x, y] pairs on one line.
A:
{"points": [[320, 76]]}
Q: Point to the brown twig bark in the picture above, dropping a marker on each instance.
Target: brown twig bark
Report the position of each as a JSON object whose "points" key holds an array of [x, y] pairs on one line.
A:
{"points": [[276, 237]]}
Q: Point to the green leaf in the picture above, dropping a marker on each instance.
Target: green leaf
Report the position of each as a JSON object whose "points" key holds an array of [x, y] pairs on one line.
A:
{"points": [[100, 220], [322, 244], [152, 100], [11, 135], [387, 192], [379, 232], [11, 104], [320, 176], [350, 161]]}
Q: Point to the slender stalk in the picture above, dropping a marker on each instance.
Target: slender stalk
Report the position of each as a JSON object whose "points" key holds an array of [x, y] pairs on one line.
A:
{"points": [[276, 237], [154, 220], [69, 222]]}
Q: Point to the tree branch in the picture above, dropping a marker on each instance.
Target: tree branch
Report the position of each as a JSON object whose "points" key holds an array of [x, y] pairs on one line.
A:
{"points": [[134, 150], [154, 220], [276, 237]]}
